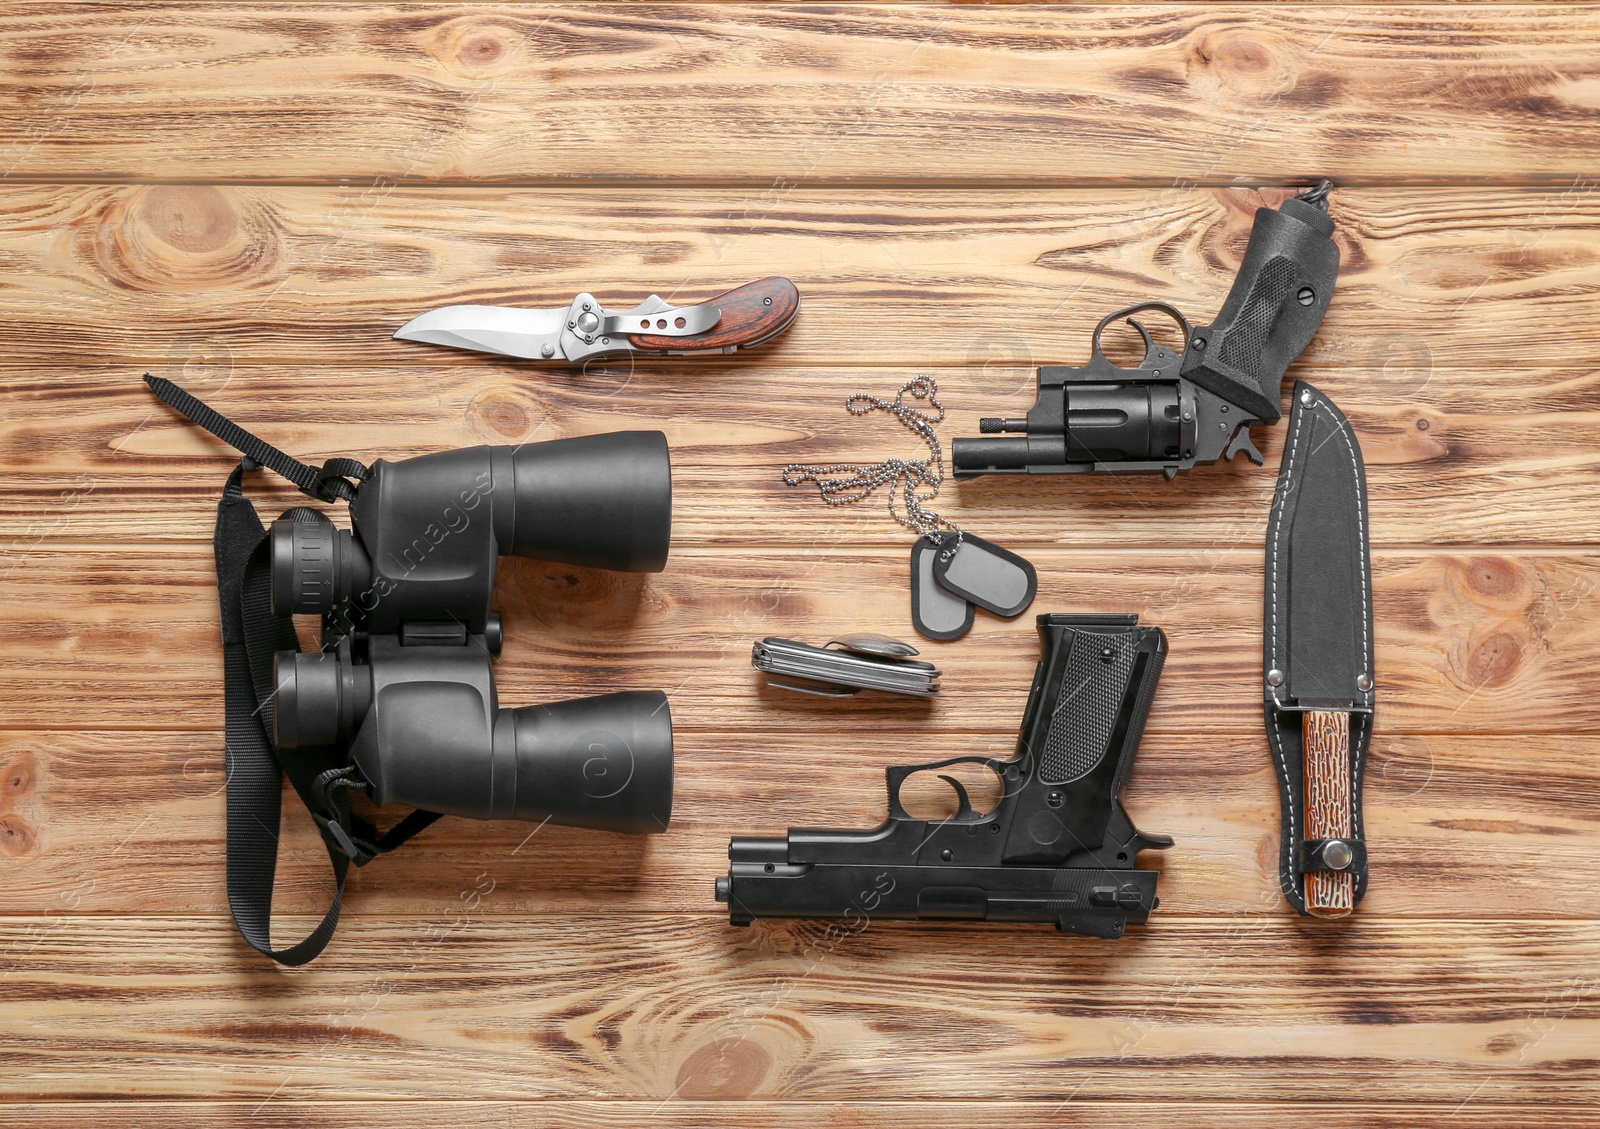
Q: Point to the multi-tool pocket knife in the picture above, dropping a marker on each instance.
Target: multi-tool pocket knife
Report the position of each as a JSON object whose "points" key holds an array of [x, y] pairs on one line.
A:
{"points": [[585, 330]]}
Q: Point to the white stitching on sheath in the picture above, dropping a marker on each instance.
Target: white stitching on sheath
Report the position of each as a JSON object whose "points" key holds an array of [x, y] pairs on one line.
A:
{"points": [[1272, 733]]}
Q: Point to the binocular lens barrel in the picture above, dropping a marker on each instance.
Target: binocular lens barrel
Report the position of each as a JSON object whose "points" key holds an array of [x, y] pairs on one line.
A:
{"points": [[603, 501], [426, 733], [603, 762]]}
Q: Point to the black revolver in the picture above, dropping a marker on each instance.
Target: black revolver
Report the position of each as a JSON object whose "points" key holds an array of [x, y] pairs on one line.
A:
{"points": [[1171, 412], [1058, 847]]}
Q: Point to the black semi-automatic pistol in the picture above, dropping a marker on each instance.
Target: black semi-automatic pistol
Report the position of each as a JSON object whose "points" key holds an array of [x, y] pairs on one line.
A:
{"points": [[1170, 412], [1058, 847]]}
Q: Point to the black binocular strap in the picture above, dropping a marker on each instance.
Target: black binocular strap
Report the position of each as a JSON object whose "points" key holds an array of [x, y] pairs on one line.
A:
{"points": [[251, 636], [325, 485]]}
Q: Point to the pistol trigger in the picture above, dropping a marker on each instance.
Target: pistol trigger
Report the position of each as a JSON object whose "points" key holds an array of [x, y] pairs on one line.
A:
{"points": [[965, 810], [1241, 442]]}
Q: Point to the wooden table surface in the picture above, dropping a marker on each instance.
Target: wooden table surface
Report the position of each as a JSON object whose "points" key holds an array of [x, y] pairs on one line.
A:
{"points": [[249, 198]]}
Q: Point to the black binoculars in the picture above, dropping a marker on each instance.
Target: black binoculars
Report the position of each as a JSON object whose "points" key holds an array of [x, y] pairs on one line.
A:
{"points": [[404, 676]]}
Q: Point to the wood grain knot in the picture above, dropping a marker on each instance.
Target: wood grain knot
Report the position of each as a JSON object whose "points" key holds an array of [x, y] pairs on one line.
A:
{"points": [[1495, 577], [727, 1068], [19, 779], [181, 238], [481, 50], [1242, 65], [1493, 661], [16, 837], [470, 49], [502, 416]]}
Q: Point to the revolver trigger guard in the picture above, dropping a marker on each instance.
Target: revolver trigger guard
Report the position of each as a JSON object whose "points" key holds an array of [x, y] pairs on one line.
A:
{"points": [[1241, 443], [1149, 346]]}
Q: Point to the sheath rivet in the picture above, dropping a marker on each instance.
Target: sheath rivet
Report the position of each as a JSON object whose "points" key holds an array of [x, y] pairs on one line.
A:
{"points": [[1364, 683], [1338, 855], [548, 350], [1274, 678], [1305, 398]]}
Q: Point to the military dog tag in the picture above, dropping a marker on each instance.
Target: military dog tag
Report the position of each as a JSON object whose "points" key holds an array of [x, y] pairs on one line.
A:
{"points": [[936, 612], [995, 579]]}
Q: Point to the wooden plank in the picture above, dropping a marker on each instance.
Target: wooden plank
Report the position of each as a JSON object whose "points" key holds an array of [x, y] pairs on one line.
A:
{"points": [[890, 1114], [90, 456], [1459, 826], [1476, 1013], [784, 95], [1498, 643], [205, 276]]}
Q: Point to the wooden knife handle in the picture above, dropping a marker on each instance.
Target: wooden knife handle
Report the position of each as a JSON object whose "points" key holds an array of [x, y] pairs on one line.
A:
{"points": [[750, 315], [1329, 893]]}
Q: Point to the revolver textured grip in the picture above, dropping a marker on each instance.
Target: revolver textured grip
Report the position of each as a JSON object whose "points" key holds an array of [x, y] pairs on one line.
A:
{"points": [[1274, 309]]}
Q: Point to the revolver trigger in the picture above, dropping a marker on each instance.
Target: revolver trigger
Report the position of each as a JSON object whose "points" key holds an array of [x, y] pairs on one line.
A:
{"points": [[1149, 345], [965, 810], [1241, 442]]}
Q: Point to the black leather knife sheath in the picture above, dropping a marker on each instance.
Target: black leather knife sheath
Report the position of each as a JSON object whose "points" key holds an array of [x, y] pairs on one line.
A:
{"points": [[1318, 626]]}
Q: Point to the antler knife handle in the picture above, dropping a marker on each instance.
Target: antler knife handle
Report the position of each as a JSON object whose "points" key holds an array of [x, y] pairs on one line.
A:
{"points": [[1329, 893], [750, 314]]}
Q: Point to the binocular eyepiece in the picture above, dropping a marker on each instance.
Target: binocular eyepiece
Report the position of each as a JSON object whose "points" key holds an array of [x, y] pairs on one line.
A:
{"points": [[404, 676]]}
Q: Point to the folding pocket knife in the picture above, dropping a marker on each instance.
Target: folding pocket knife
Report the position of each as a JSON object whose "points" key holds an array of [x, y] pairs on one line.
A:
{"points": [[585, 330]]}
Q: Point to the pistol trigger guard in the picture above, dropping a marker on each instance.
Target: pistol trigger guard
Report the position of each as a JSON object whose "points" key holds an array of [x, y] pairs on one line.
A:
{"points": [[897, 775]]}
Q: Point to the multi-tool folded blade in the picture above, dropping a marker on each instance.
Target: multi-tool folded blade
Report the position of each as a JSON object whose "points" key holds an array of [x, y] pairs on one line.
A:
{"points": [[585, 330], [848, 664]]}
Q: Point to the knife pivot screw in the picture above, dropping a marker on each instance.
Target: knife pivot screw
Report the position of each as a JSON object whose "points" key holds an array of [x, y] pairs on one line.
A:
{"points": [[1306, 296], [588, 321], [1054, 799], [547, 350], [1364, 682], [1305, 398], [1274, 678]]}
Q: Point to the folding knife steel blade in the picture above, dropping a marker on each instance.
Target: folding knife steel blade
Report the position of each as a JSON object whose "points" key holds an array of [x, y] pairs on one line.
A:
{"points": [[585, 330]]}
